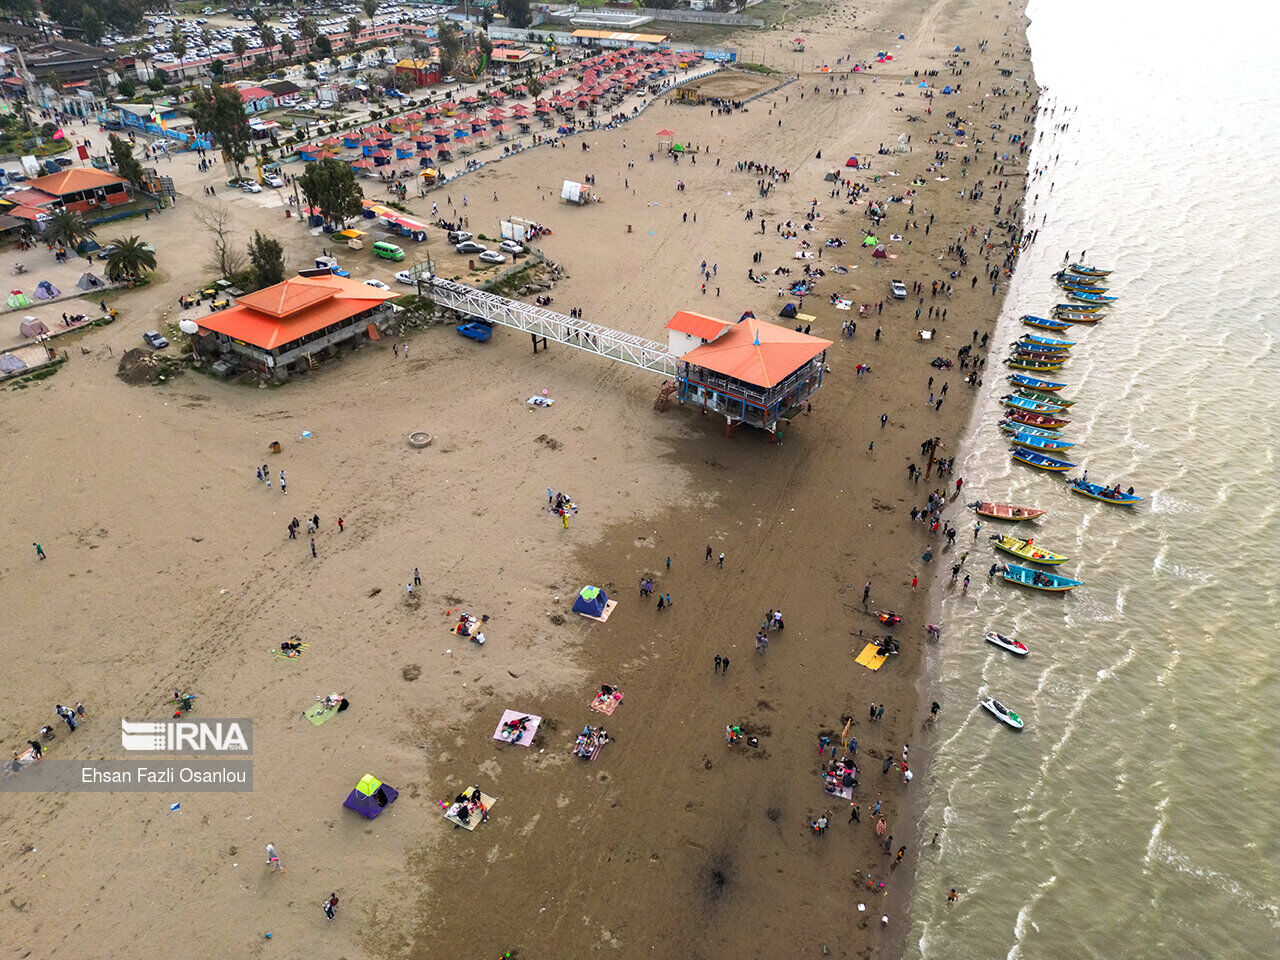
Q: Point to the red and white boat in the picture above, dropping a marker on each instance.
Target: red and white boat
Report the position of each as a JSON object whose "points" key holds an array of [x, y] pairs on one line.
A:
{"points": [[1007, 643], [1005, 511]]}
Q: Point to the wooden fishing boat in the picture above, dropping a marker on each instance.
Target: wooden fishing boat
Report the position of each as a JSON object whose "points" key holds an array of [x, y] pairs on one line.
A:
{"points": [[1070, 317], [1098, 492], [1043, 324], [1065, 276], [1038, 579], [1088, 271], [1044, 397], [1076, 308], [1012, 426], [1025, 363], [1090, 297], [1041, 461], [1027, 550], [1026, 346], [1034, 406], [1005, 511], [1035, 419], [1035, 383], [1047, 341], [1044, 444], [1093, 284], [1048, 356]]}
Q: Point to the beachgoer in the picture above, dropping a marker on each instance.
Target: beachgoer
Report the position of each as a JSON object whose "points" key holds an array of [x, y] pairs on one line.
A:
{"points": [[273, 859], [330, 906]]}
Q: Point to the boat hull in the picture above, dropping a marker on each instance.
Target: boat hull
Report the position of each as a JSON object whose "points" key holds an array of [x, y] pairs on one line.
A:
{"points": [[1035, 383], [1005, 511], [1087, 271], [1017, 547], [1016, 647], [1033, 406], [1036, 419], [1041, 461], [1040, 444], [1095, 492], [1043, 324], [1038, 579], [1012, 426]]}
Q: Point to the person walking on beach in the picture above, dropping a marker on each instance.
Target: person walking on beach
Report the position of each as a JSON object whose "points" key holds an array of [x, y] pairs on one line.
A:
{"points": [[273, 859], [866, 592], [951, 897], [717, 663], [880, 713], [39, 551], [330, 906], [417, 578], [708, 556], [871, 712], [720, 562], [724, 664], [340, 524], [313, 546], [884, 767]]}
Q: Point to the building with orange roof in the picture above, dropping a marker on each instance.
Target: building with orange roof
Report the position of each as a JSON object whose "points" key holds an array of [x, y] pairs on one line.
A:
{"points": [[752, 372], [291, 325], [83, 189]]}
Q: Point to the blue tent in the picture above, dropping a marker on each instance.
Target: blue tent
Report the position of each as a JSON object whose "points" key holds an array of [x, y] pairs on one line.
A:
{"points": [[371, 796], [591, 602], [922, 84], [789, 311], [946, 89]]}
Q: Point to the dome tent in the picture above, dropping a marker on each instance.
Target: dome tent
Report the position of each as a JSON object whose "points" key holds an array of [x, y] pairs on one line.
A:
{"points": [[370, 797], [594, 604]]}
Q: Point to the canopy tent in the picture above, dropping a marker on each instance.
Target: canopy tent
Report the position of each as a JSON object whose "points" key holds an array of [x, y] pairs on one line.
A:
{"points": [[88, 281], [46, 290], [370, 797]]}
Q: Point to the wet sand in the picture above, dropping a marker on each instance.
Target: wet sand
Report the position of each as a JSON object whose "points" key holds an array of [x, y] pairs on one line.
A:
{"points": [[145, 502]]}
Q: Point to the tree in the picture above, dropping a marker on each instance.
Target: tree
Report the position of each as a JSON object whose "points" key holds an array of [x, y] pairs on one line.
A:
{"points": [[127, 165], [516, 12], [307, 30], [484, 44], [219, 112], [224, 254], [266, 259], [353, 31], [178, 44], [66, 228], [287, 47], [450, 46], [268, 37], [239, 46], [331, 186], [324, 46], [370, 8], [126, 88], [130, 259]]}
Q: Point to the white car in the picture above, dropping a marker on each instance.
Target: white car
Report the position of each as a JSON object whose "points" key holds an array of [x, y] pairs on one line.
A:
{"points": [[407, 278], [376, 283], [250, 187], [492, 256], [271, 180], [511, 247], [898, 289]]}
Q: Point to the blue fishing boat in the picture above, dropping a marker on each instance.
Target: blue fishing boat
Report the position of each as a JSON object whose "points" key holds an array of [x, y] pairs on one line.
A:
{"points": [[1047, 341], [1076, 308], [1013, 426], [1022, 380], [1043, 324], [1034, 458], [1028, 441], [1038, 579], [1063, 276], [1090, 297], [1074, 316], [1110, 495], [1026, 393], [1033, 406], [1089, 271], [1039, 351]]}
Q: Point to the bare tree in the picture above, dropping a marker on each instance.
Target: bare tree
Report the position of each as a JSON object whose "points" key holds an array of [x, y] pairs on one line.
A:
{"points": [[225, 252]]}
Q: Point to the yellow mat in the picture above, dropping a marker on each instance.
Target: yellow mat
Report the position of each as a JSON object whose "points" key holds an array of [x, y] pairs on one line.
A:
{"points": [[871, 658]]}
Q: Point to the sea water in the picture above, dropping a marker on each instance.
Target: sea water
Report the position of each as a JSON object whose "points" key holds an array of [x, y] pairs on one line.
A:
{"points": [[1138, 814]]}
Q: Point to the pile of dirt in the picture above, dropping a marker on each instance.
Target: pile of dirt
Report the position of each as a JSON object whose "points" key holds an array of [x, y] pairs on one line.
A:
{"points": [[139, 367]]}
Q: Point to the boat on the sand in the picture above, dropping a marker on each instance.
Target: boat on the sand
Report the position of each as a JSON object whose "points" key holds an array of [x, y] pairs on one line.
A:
{"points": [[1005, 511], [1042, 461]]}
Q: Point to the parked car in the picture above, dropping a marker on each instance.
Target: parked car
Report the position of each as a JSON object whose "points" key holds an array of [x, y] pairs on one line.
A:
{"points": [[250, 187], [493, 256], [272, 180], [104, 253], [511, 247], [376, 283], [458, 236], [63, 162], [407, 278], [898, 289], [153, 339], [479, 332], [470, 246]]}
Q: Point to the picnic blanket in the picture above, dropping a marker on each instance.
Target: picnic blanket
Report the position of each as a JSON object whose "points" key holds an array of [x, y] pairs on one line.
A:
{"points": [[505, 734], [871, 657], [292, 654], [466, 627], [539, 401], [804, 255], [318, 713], [606, 704], [473, 821], [604, 614]]}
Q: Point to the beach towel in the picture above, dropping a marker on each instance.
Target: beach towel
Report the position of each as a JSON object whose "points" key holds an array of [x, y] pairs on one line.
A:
{"points": [[871, 658], [318, 714], [605, 704], [506, 735], [486, 801], [539, 401], [804, 255], [292, 654]]}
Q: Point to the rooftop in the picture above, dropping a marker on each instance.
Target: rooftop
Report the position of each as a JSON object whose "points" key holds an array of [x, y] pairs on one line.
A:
{"points": [[288, 311], [74, 180], [697, 325], [759, 353]]}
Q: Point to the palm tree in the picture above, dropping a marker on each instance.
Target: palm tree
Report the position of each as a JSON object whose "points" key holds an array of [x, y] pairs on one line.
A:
{"points": [[130, 259], [268, 36], [66, 228], [287, 47], [239, 46]]}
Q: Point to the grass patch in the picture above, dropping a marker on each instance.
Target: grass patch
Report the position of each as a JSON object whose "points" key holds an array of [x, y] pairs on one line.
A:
{"points": [[755, 67]]}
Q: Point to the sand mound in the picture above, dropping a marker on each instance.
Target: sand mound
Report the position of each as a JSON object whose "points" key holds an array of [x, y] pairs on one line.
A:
{"points": [[138, 367]]}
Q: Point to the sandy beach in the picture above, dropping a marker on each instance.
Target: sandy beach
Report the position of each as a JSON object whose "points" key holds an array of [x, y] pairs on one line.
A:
{"points": [[169, 567]]}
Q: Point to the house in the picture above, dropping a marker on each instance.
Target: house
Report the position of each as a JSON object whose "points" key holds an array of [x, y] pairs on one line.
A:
{"points": [[256, 99], [754, 372], [688, 330], [67, 60], [418, 73], [286, 327], [83, 189], [282, 90]]}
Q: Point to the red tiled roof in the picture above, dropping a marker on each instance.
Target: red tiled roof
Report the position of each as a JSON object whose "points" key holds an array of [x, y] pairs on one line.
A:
{"points": [[74, 180], [697, 325], [30, 198], [288, 311], [761, 354]]}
